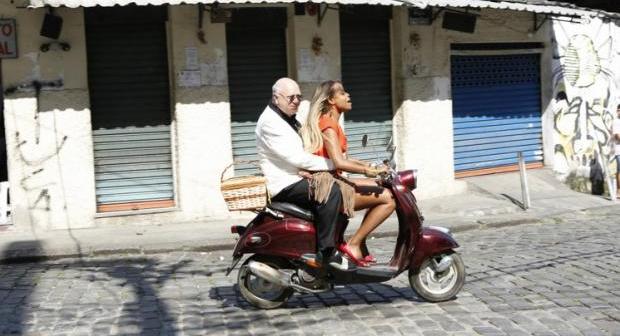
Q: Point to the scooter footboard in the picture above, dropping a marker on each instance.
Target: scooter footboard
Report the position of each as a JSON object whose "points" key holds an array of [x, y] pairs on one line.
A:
{"points": [[433, 241]]}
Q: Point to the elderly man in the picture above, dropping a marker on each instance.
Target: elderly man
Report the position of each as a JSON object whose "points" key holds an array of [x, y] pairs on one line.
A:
{"points": [[282, 156]]}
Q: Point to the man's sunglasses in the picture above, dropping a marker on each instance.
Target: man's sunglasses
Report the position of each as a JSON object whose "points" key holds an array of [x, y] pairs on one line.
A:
{"points": [[291, 98]]}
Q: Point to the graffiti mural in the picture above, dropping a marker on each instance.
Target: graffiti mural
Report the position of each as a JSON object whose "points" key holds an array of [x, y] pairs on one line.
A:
{"points": [[586, 72]]}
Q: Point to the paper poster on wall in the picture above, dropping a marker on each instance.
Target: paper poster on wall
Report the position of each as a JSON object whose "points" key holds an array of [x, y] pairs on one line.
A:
{"points": [[191, 58], [8, 39], [214, 73], [189, 78], [311, 67]]}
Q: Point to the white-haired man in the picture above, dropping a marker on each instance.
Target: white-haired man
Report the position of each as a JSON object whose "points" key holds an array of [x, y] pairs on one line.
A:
{"points": [[282, 156]]}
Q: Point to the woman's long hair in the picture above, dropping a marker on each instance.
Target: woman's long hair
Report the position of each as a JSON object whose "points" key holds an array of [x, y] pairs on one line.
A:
{"points": [[310, 131]]}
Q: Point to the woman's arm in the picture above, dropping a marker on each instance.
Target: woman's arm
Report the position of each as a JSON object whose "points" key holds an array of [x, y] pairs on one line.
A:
{"points": [[358, 161], [331, 143]]}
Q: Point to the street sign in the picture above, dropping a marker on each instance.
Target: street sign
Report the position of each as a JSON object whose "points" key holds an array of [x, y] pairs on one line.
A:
{"points": [[8, 38]]}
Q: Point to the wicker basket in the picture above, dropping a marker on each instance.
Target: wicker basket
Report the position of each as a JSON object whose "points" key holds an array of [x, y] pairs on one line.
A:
{"points": [[244, 192]]}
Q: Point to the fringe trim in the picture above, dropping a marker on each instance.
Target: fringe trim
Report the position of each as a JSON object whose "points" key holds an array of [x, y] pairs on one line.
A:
{"points": [[321, 186]]}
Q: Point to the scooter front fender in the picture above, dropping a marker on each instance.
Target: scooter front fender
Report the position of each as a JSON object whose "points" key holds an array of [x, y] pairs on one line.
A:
{"points": [[432, 241]]}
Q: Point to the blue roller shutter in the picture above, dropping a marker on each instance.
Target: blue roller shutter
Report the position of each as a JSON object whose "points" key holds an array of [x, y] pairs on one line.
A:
{"points": [[496, 112], [366, 75], [256, 43], [130, 107]]}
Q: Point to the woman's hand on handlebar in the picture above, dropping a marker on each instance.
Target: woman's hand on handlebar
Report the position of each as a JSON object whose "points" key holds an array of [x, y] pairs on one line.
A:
{"points": [[374, 171]]}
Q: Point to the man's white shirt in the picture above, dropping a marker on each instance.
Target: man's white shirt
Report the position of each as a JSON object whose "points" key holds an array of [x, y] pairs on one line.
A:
{"points": [[281, 152]]}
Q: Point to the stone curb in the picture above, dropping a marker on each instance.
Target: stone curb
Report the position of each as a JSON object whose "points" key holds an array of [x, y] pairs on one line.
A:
{"points": [[35, 255]]}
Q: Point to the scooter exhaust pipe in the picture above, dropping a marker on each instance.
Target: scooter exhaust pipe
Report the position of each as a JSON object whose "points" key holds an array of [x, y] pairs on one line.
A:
{"points": [[269, 273]]}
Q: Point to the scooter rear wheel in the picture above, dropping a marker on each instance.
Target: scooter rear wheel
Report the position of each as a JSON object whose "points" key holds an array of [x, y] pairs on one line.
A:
{"points": [[436, 286], [259, 292]]}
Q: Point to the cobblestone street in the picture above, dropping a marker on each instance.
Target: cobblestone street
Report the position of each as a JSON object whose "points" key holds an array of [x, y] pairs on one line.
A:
{"points": [[560, 277]]}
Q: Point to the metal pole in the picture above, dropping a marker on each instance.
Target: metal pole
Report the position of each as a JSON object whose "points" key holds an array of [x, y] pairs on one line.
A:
{"points": [[608, 176], [525, 191]]}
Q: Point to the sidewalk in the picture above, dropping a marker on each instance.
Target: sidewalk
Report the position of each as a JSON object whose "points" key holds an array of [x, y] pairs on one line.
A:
{"points": [[491, 201]]}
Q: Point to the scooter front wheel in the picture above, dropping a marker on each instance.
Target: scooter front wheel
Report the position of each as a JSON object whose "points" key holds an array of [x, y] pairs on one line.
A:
{"points": [[439, 278], [260, 292]]}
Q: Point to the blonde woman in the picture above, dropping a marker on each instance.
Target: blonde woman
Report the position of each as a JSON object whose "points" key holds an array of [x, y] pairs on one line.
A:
{"points": [[323, 136]]}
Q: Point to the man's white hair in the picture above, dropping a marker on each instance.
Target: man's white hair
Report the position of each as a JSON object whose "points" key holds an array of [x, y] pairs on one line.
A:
{"points": [[281, 84]]}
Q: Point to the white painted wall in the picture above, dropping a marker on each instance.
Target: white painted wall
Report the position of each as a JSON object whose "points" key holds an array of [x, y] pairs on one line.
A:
{"points": [[202, 118], [49, 143]]}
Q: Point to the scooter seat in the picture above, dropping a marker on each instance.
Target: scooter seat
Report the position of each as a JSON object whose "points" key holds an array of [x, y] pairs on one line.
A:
{"points": [[292, 209]]}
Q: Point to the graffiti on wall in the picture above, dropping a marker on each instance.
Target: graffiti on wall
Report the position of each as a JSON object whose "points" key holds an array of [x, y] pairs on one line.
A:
{"points": [[35, 152], [585, 76]]}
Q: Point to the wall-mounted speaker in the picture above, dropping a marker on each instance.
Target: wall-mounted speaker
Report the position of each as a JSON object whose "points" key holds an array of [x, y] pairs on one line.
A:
{"points": [[463, 22], [52, 25], [300, 8]]}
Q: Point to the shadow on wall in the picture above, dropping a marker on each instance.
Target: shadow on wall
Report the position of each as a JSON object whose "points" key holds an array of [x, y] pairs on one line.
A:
{"points": [[101, 296]]}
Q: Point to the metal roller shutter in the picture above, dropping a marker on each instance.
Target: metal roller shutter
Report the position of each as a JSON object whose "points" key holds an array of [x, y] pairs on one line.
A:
{"points": [[497, 112], [130, 106], [366, 75], [256, 44]]}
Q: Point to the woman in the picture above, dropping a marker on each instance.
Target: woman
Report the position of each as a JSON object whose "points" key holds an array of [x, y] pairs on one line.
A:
{"points": [[322, 135]]}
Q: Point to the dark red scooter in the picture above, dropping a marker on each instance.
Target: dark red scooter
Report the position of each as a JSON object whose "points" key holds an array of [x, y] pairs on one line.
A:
{"points": [[282, 242]]}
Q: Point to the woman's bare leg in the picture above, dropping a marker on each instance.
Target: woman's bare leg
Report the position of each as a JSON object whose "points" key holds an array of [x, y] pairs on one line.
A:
{"points": [[380, 205]]}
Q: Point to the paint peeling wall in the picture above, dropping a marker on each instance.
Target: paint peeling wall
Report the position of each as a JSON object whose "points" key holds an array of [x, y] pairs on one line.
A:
{"points": [[47, 124], [321, 43], [586, 78]]}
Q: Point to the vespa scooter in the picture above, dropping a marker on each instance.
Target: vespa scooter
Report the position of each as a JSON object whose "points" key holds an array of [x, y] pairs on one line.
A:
{"points": [[281, 242]]}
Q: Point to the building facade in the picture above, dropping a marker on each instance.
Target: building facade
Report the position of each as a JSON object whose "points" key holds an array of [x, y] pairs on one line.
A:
{"points": [[132, 113]]}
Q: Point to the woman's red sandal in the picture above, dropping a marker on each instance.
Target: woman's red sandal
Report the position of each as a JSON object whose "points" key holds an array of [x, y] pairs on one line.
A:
{"points": [[344, 248]]}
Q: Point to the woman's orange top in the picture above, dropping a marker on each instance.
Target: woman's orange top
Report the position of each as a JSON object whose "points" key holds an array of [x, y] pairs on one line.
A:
{"points": [[326, 122]]}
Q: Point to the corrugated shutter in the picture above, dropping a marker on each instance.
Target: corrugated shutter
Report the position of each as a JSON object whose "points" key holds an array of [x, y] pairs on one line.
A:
{"points": [[130, 106], [133, 164], [366, 75], [256, 44], [497, 112]]}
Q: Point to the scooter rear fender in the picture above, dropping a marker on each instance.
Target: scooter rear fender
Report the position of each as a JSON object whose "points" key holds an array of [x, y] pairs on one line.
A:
{"points": [[432, 241], [288, 237]]}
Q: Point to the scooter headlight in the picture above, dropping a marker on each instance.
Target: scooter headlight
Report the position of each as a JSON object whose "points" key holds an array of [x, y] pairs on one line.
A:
{"points": [[408, 178]]}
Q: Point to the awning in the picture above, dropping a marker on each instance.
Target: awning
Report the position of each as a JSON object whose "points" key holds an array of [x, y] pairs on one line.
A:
{"points": [[109, 3], [534, 6]]}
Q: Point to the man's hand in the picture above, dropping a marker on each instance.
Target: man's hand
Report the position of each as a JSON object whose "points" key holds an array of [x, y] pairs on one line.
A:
{"points": [[305, 174]]}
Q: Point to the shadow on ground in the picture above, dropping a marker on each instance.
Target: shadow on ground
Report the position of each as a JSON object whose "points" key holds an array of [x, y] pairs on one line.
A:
{"points": [[362, 294], [76, 294]]}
